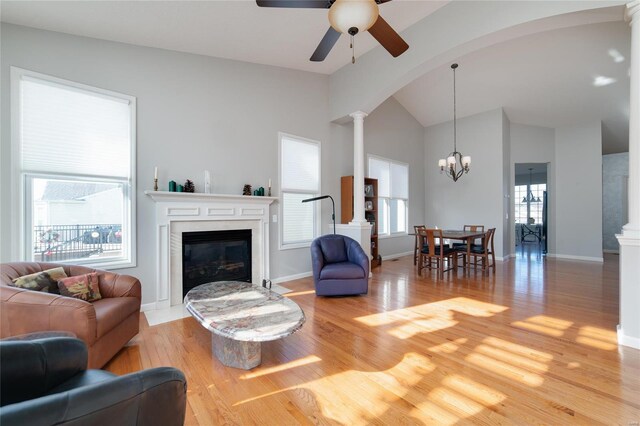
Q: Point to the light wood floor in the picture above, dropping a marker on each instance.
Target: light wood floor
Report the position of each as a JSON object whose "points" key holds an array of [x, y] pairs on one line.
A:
{"points": [[534, 344]]}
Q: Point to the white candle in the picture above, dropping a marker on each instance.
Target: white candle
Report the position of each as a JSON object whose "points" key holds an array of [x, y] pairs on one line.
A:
{"points": [[155, 174], [269, 182]]}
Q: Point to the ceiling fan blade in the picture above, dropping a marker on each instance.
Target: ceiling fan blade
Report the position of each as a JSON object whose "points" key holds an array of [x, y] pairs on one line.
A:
{"points": [[388, 37], [325, 46], [310, 4]]}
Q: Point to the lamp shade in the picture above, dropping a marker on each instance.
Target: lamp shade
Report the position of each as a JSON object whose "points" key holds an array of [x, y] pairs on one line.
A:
{"points": [[442, 162], [346, 14], [466, 160], [451, 160]]}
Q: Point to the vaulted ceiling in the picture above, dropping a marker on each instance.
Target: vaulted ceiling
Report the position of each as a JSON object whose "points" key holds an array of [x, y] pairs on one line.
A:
{"points": [[552, 78]]}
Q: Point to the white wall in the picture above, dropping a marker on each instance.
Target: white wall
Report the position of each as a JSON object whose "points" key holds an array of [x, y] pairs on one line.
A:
{"points": [[194, 113], [391, 132], [534, 144], [508, 230], [477, 197], [615, 171], [578, 178]]}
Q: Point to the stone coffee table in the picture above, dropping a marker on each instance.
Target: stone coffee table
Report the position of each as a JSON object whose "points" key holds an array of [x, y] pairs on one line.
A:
{"points": [[240, 316]]}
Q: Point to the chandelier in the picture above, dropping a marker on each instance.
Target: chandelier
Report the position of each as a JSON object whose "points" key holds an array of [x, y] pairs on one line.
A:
{"points": [[530, 198], [455, 164]]}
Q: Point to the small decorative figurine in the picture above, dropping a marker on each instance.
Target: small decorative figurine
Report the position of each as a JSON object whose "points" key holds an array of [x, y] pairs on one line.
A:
{"points": [[246, 190]]}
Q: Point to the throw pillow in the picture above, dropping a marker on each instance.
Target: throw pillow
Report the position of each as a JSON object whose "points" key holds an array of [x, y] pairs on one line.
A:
{"points": [[46, 281], [84, 287]]}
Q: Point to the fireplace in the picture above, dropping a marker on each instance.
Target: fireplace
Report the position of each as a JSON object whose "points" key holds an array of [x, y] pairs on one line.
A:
{"points": [[215, 256], [180, 213]]}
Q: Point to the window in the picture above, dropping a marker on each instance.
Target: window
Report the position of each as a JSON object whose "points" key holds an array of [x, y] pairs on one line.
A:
{"points": [[525, 210], [521, 214], [299, 179], [393, 194], [76, 146]]}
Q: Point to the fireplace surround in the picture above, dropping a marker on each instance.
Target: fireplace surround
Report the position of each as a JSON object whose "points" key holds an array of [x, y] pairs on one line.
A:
{"points": [[178, 213]]}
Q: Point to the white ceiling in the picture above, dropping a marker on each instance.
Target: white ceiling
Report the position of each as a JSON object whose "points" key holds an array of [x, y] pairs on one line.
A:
{"points": [[233, 29], [545, 79]]}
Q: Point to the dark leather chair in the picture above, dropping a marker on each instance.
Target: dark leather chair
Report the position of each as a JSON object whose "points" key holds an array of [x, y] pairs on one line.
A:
{"points": [[340, 266], [46, 382]]}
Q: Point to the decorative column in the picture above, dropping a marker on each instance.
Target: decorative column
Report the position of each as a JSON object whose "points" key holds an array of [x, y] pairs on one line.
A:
{"points": [[358, 229], [358, 168], [629, 240]]}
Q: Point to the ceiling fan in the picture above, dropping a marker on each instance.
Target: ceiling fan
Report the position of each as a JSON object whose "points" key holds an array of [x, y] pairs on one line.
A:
{"points": [[350, 17]]}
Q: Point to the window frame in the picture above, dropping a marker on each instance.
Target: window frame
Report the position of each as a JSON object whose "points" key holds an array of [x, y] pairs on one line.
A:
{"points": [[282, 245], [539, 190], [390, 234], [21, 179]]}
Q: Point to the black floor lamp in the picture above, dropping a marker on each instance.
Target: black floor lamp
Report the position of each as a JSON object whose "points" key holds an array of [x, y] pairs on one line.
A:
{"points": [[333, 214]]}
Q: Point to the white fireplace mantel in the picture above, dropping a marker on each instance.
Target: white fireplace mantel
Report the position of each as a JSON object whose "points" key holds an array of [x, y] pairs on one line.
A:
{"points": [[178, 212]]}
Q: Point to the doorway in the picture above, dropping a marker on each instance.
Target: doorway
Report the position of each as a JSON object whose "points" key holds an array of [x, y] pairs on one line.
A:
{"points": [[531, 209]]}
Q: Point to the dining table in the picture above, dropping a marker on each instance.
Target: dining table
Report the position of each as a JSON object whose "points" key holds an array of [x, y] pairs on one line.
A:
{"points": [[465, 236]]}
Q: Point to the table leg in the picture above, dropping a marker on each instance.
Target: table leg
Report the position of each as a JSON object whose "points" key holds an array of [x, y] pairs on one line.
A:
{"points": [[235, 353], [469, 241]]}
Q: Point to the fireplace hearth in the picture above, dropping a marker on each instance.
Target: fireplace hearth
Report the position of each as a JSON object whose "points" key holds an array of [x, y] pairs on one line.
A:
{"points": [[210, 256]]}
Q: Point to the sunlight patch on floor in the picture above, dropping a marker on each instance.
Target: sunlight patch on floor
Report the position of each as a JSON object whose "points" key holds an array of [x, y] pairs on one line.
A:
{"points": [[505, 369], [417, 326], [278, 368], [544, 324], [300, 293], [598, 338], [480, 393], [511, 358], [430, 317], [518, 349], [449, 347]]}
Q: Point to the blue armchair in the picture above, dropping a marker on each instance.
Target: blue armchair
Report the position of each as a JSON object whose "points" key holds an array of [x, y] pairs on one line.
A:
{"points": [[46, 382], [340, 266]]}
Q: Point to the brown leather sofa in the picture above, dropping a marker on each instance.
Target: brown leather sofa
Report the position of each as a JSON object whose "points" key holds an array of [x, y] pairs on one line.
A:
{"points": [[105, 325]]}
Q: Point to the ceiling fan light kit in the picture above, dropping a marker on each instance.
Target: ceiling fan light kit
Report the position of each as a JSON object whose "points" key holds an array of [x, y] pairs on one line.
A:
{"points": [[348, 17], [353, 16]]}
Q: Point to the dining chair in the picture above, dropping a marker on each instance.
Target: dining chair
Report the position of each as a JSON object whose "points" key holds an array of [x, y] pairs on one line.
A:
{"points": [[433, 252], [484, 252], [416, 248], [470, 228]]}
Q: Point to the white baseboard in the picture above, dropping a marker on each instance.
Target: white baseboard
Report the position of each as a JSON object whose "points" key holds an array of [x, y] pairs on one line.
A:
{"points": [[632, 342], [572, 257], [611, 251], [505, 258], [291, 277], [148, 307], [397, 255]]}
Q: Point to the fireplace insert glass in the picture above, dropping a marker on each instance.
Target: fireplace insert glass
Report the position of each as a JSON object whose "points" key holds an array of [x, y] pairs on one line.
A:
{"points": [[215, 256]]}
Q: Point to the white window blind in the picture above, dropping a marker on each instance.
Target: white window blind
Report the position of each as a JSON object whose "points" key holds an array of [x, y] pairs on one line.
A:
{"points": [[300, 165], [399, 181], [298, 218], [393, 193], [379, 169], [300, 179], [73, 131]]}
